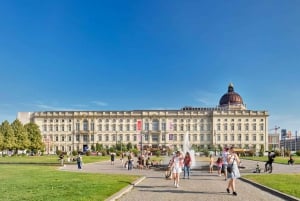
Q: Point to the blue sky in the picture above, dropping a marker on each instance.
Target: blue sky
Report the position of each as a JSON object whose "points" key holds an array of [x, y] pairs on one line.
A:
{"points": [[126, 55]]}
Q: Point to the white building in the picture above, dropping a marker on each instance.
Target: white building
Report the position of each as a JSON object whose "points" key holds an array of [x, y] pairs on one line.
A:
{"points": [[228, 124]]}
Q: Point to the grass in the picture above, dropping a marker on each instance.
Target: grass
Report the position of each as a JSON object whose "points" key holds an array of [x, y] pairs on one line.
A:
{"points": [[278, 159], [35, 182], [286, 183], [48, 159]]}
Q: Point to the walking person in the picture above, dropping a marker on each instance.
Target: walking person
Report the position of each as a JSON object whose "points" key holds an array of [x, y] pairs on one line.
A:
{"points": [[112, 158], [233, 161], [211, 163], [187, 165], [177, 165], [224, 165], [79, 161]]}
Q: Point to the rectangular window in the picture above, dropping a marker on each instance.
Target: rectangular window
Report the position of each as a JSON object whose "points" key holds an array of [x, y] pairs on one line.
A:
{"points": [[146, 126], [70, 128], [45, 127], [254, 127], [92, 126], [70, 138], [134, 138], [127, 127], [127, 138], [175, 137], [163, 126], [56, 138], [261, 127], [62, 138], [62, 128], [195, 127], [77, 138], [261, 138], [254, 137], [146, 137], [181, 137], [56, 127], [201, 137], [163, 137], [194, 138], [247, 138], [232, 137], [225, 127], [51, 128], [77, 126], [100, 138], [181, 128], [92, 137], [106, 138], [225, 138]]}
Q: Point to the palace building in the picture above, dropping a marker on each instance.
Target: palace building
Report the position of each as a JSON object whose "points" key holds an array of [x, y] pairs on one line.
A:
{"points": [[230, 123]]}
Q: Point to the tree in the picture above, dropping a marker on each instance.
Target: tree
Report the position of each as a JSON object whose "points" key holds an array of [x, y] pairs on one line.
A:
{"points": [[34, 136], [1, 140], [22, 141], [9, 139]]}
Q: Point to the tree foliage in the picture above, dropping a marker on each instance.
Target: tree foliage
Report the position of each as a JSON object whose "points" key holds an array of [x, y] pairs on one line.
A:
{"points": [[21, 135], [35, 137], [16, 136], [9, 140]]}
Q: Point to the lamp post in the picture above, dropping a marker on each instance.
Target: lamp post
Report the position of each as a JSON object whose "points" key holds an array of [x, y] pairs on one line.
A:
{"points": [[215, 142], [116, 139]]}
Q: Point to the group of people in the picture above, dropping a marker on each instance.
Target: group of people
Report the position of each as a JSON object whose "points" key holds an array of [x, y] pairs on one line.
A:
{"points": [[228, 159], [177, 163]]}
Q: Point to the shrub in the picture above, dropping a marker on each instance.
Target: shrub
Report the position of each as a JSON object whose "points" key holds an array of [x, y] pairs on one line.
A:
{"points": [[88, 153], [58, 152], [298, 153], [74, 153], [158, 153]]}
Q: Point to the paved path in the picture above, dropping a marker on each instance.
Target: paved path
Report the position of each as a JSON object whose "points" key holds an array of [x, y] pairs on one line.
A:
{"points": [[201, 185]]}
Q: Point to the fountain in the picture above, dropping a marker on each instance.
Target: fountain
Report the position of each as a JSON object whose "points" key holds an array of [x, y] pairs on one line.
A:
{"points": [[187, 148]]}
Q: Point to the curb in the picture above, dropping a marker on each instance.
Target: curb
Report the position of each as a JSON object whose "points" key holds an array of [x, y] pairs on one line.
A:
{"points": [[125, 190], [270, 190]]}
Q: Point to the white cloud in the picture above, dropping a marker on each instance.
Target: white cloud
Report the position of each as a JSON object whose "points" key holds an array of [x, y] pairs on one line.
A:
{"points": [[99, 103], [206, 98]]}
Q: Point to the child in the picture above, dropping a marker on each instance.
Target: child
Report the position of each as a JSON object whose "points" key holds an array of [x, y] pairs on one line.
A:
{"points": [[219, 165]]}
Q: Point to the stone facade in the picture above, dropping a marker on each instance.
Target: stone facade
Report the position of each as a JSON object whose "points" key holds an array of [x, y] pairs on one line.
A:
{"points": [[225, 125]]}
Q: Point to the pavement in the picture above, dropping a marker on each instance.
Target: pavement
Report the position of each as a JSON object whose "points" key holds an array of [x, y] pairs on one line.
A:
{"points": [[152, 186]]}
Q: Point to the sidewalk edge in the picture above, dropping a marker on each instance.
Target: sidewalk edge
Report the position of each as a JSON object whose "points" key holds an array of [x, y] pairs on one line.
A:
{"points": [[125, 190], [270, 190]]}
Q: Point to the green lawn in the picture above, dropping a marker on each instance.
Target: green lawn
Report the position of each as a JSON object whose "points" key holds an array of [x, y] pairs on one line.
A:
{"points": [[35, 182], [51, 159], [286, 183], [278, 159]]}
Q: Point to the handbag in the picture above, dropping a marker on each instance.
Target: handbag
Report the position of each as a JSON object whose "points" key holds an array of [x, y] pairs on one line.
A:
{"points": [[229, 166]]}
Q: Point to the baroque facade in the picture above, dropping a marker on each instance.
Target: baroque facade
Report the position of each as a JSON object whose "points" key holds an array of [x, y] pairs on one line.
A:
{"points": [[228, 124]]}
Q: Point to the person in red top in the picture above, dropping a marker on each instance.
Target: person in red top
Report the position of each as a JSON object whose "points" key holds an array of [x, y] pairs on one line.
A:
{"points": [[187, 165]]}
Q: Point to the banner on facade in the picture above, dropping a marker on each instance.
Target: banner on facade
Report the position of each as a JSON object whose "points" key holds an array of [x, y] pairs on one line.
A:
{"points": [[139, 125]]}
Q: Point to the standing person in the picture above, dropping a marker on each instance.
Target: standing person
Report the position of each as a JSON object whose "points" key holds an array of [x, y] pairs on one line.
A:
{"points": [[211, 163], [130, 162], [177, 165], [79, 162], [224, 165], [187, 165], [112, 158], [122, 158], [233, 160]]}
